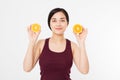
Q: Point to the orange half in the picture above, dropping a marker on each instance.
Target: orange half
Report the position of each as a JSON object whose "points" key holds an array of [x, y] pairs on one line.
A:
{"points": [[35, 27], [77, 28]]}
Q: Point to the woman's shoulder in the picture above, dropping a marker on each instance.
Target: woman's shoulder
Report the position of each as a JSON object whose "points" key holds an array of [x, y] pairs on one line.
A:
{"points": [[72, 43], [74, 47], [41, 41]]}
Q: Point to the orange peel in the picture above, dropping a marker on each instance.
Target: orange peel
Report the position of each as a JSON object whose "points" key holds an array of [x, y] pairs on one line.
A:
{"points": [[77, 28], [35, 27]]}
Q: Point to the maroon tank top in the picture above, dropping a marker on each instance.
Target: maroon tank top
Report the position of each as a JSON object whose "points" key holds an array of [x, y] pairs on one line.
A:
{"points": [[54, 65]]}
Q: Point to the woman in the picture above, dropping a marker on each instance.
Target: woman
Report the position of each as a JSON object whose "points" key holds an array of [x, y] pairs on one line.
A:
{"points": [[56, 54]]}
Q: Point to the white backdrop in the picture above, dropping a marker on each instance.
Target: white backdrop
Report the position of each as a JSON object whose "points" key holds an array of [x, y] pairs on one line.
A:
{"points": [[101, 17]]}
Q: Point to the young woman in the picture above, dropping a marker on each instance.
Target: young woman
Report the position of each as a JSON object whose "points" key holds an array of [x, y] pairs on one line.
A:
{"points": [[56, 53]]}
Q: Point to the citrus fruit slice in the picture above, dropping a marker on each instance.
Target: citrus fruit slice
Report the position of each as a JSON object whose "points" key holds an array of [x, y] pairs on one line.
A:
{"points": [[77, 28], [35, 27]]}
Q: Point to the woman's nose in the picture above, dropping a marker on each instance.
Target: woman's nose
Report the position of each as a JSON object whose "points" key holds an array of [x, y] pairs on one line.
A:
{"points": [[58, 23]]}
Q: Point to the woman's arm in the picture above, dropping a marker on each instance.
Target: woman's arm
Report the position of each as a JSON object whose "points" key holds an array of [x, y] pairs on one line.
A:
{"points": [[31, 56], [33, 51], [80, 54]]}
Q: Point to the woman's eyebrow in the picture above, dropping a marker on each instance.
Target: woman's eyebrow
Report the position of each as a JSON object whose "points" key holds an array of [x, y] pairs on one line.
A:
{"points": [[62, 18], [53, 18]]}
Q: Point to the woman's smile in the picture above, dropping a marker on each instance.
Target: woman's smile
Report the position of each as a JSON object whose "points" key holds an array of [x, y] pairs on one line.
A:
{"points": [[58, 28]]}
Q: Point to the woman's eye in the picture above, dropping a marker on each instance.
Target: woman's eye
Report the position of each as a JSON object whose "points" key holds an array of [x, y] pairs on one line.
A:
{"points": [[62, 20], [53, 20]]}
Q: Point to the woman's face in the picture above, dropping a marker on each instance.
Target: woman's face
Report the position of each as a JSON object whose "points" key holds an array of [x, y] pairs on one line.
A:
{"points": [[58, 23]]}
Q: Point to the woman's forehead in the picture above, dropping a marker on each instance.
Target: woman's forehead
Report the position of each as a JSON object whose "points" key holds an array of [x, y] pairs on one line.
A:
{"points": [[59, 15]]}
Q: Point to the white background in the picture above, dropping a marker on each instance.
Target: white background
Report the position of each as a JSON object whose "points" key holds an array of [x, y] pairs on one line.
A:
{"points": [[101, 17]]}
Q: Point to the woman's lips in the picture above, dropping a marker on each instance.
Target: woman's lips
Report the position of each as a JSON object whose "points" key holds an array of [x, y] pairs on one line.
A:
{"points": [[58, 28]]}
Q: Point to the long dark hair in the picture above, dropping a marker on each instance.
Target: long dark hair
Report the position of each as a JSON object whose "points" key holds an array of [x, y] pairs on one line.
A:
{"points": [[55, 10]]}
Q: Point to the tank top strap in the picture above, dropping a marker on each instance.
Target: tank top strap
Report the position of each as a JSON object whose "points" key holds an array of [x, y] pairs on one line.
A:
{"points": [[68, 43], [68, 46], [46, 42], [45, 46], [69, 50]]}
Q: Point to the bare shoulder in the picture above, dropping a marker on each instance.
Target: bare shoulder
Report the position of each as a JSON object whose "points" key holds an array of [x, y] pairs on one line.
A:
{"points": [[73, 46], [41, 41], [40, 44], [38, 48]]}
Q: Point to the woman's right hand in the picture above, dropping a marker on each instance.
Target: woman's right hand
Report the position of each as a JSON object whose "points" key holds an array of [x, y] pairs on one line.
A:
{"points": [[33, 36]]}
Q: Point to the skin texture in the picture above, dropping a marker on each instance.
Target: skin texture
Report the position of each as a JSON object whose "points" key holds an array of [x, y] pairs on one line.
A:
{"points": [[58, 24]]}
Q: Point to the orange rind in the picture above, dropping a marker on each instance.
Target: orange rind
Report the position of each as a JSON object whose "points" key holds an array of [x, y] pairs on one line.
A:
{"points": [[77, 28], [35, 27]]}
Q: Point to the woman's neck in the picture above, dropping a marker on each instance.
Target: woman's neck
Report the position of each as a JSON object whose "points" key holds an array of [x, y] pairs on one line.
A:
{"points": [[57, 38]]}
